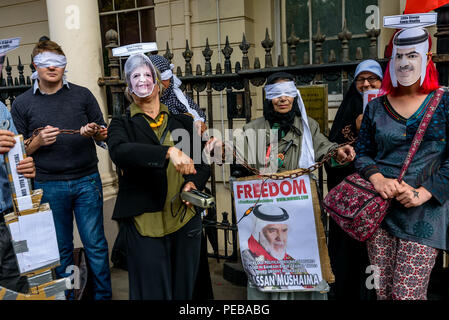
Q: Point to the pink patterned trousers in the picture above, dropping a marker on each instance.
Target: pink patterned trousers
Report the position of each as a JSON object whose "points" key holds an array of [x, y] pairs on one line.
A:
{"points": [[404, 266]]}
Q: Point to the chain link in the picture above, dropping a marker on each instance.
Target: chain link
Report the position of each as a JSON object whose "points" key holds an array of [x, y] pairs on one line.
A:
{"points": [[64, 131], [347, 133]]}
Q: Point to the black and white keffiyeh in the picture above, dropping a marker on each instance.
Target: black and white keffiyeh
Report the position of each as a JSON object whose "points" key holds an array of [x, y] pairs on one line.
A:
{"points": [[173, 97]]}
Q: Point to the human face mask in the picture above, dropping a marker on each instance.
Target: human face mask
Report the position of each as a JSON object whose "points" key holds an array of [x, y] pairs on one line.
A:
{"points": [[407, 66], [409, 57], [142, 82]]}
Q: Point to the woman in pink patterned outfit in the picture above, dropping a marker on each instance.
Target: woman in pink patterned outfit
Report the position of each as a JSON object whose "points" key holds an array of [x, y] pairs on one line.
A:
{"points": [[404, 248]]}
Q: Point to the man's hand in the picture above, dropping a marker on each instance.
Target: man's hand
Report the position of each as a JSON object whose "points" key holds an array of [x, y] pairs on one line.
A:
{"points": [[27, 168], [387, 188], [345, 154], [183, 164], [189, 186], [410, 197], [47, 136], [89, 130], [7, 141]]}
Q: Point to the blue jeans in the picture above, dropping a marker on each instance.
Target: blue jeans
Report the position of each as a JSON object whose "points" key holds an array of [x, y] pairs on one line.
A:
{"points": [[84, 198]]}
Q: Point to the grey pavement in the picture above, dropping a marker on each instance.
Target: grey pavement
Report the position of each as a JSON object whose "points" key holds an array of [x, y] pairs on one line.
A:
{"points": [[222, 289]]}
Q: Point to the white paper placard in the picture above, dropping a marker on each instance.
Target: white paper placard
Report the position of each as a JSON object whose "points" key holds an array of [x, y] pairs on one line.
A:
{"points": [[24, 203], [130, 49], [9, 44], [410, 20], [38, 230], [15, 155], [369, 95]]}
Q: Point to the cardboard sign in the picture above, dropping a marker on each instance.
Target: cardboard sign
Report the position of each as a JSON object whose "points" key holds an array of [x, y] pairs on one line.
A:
{"points": [[37, 232], [316, 103], [279, 240], [410, 20], [20, 186], [9, 45], [369, 95], [135, 48]]}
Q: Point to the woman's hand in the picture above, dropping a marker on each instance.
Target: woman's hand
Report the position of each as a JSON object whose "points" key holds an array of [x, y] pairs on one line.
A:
{"points": [[183, 164], [387, 188], [189, 186], [345, 154], [101, 134], [410, 197], [199, 126]]}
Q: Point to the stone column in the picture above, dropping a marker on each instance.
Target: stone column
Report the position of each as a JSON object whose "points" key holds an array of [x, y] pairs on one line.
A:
{"points": [[75, 26]]}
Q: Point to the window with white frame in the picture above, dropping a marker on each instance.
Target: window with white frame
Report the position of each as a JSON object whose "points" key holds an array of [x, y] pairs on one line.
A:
{"points": [[132, 19]]}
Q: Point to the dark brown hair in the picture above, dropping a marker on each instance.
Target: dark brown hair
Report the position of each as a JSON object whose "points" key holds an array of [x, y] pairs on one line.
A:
{"points": [[47, 45]]}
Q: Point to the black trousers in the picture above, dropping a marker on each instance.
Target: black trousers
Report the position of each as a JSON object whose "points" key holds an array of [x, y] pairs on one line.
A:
{"points": [[349, 259], [9, 270], [163, 268]]}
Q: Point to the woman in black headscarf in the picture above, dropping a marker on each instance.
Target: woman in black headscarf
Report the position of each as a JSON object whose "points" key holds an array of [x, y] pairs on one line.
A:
{"points": [[301, 144], [349, 257]]}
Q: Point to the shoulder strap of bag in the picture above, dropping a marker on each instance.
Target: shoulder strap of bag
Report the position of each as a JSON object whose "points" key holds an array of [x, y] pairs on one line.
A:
{"points": [[419, 135]]}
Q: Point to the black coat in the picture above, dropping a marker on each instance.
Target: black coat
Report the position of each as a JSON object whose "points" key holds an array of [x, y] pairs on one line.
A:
{"points": [[141, 157]]}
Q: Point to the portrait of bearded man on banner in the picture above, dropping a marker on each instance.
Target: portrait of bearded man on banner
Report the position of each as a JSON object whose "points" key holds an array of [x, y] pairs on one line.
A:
{"points": [[268, 240]]}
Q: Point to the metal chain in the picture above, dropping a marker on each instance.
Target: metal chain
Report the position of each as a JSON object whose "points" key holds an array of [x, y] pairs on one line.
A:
{"points": [[64, 131], [347, 133]]}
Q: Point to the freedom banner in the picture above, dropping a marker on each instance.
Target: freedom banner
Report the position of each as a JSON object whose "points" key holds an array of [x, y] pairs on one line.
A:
{"points": [[280, 247]]}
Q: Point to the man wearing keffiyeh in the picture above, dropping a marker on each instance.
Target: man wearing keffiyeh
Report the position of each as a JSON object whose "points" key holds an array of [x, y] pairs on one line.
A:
{"points": [[173, 97]]}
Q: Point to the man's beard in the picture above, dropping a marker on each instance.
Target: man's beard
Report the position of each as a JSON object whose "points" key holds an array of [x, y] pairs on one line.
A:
{"points": [[278, 254]]}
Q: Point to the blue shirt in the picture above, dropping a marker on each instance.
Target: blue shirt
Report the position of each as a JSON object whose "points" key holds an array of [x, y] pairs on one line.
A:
{"points": [[5, 189]]}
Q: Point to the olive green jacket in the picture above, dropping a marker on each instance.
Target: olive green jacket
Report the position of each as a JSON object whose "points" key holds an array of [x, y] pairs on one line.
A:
{"points": [[255, 139]]}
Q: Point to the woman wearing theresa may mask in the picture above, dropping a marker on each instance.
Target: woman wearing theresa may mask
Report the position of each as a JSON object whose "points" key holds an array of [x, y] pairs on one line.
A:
{"points": [[284, 112], [162, 233]]}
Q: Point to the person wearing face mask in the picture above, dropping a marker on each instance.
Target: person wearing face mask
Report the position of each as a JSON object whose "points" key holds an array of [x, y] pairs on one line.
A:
{"points": [[66, 165], [404, 247], [297, 138], [349, 258], [162, 233]]}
